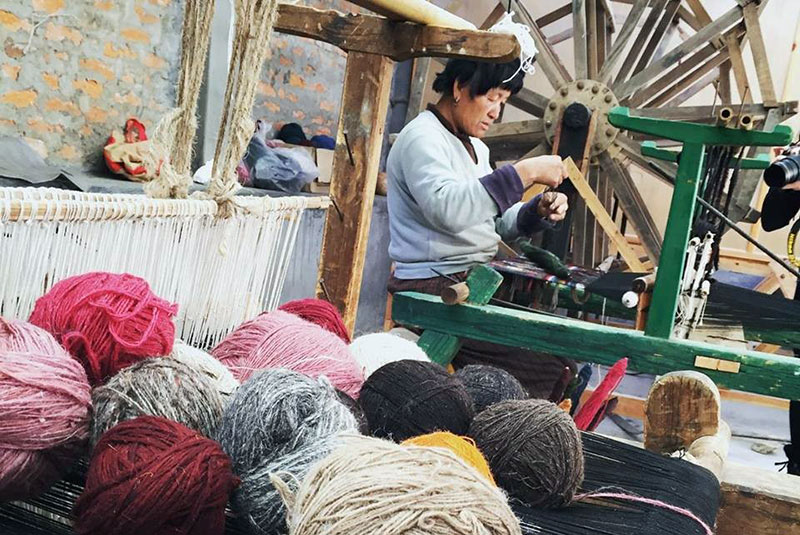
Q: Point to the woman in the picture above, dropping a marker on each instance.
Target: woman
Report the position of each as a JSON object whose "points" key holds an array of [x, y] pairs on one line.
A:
{"points": [[448, 210]]}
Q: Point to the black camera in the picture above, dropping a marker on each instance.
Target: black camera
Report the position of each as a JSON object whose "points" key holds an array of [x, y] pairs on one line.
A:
{"points": [[786, 169]]}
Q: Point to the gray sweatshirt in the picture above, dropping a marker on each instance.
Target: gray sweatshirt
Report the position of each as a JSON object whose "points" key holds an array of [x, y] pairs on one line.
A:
{"points": [[448, 212]]}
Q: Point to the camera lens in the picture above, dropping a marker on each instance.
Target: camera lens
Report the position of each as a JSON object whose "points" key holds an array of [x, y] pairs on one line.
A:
{"points": [[783, 172]]}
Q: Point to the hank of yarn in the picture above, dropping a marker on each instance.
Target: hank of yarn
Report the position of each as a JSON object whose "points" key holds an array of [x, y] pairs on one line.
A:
{"points": [[152, 475], [489, 385], [107, 321], [370, 486], [407, 398], [374, 350], [319, 312], [280, 339], [534, 450], [278, 421], [207, 365], [157, 387], [464, 447], [44, 409]]}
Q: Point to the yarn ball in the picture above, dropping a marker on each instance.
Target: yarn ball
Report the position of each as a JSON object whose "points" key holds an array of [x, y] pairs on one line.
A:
{"points": [[374, 350], [45, 406], [161, 387], [319, 312], [463, 447], [207, 365], [107, 321], [152, 475], [280, 339], [489, 385], [534, 450], [407, 398], [356, 410], [369, 486], [278, 421]]}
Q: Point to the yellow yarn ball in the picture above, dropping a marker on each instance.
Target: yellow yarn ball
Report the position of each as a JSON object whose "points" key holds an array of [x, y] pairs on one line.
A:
{"points": [[464, 447]]}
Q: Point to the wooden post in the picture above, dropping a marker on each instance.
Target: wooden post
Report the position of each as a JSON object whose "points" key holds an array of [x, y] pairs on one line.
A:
{"points": [[365, 101]]}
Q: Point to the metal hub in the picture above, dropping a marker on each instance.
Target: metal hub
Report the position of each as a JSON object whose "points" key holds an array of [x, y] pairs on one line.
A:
{"points": [[595, 96]]}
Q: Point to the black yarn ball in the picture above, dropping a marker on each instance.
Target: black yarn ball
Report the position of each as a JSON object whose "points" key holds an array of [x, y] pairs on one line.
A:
{"points": [[355, 408], [489, 385], [408, 398], [534, 450]]}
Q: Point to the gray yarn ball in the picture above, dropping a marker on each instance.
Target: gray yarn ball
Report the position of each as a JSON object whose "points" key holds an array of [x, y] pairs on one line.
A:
{"points": [[157, 387], [489, 385], [278, 421]]}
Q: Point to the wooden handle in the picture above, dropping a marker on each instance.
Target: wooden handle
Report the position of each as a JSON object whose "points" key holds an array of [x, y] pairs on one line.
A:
{"points": [[711, 451], [455, 294]]}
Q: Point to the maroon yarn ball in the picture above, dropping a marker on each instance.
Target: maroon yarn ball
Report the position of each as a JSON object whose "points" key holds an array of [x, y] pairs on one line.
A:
{"points": [[107, 321], [319, 312], [152, 475]]}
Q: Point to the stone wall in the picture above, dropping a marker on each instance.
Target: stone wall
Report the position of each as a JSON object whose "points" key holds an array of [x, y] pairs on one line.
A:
{"points": [[72, 71]]}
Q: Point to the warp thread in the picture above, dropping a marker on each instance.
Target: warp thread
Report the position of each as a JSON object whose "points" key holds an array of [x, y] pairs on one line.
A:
{"points": [[45, 408], [207, 365], [157, 387], [152, 475], [106, 321], [278, 421], [488, 385], [374, 350], [407, 398], [534, 450], [369, 486], [279, 339], [463, 447], [320, 313]]}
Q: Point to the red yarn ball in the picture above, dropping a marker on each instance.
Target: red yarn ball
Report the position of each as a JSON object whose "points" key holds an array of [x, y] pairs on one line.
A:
{"points": [[152, 475], [107, 321], [319, 312]]}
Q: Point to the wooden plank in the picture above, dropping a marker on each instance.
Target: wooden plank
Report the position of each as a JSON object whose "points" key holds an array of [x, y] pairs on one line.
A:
{"points": [[664, 24], [579, 39], [600, 185], [724, 89], [530, 102], [707, 72], [739, 70], [703, 18], [656, 8], [553, 16], [772, 375], [548, 60], [760, 56], [622, 40], [365, 102], [602, 217], [592, 39], [786, 280], [703, 113], [632, 150], [398, 41], [509, 141], [494, 17], [689, 18], [671, 58]]}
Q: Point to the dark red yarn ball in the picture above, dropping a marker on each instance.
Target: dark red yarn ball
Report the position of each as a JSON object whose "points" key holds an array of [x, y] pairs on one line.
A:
{"points": [[107, 321], [319, 312], [152, 475]]}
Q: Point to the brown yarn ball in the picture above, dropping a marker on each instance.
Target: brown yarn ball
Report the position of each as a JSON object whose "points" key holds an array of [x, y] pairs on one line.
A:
{"points": [[534, 450]]}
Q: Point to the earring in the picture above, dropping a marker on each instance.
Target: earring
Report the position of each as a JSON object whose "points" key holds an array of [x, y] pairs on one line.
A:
{"points": [[457, 99]]}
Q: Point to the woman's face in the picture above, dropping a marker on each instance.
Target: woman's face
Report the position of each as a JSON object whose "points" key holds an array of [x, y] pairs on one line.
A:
{"points": [[474, 116]]}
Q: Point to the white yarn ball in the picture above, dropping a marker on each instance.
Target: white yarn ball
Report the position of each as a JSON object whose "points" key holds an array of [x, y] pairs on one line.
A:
{"points": [[372, 351], [206, 364]]}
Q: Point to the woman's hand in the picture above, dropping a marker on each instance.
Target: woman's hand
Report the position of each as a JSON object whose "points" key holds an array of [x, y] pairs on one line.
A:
{"points": [[553, 206], [546, 170]]}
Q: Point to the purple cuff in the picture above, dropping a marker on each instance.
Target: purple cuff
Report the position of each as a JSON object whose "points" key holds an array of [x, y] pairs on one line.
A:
{"points": [[504, 187], [528, 219]]}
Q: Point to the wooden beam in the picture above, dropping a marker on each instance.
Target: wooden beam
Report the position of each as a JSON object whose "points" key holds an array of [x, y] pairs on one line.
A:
{"points": [[419, 11], [626, 147], [688, 17], [509, 141], [656, 7], [603, 219], [759, 50], [708, 69], [699, 114], [530, 102], [548, 60], [622, 40], [398, 41], [579, 39], [724, 88], [739, 70], [419, 83], [664, 24], [365, 102], [553, 16], [703, 18], [494, 17], [592, 40]]}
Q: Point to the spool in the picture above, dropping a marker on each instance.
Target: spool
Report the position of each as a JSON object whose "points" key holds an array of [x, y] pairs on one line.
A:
{"points": [[455, 294]]}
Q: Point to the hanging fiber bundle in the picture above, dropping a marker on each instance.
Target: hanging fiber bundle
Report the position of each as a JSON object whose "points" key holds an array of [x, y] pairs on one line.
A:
{"points": [[152, 475], [534, 450], [279, 339], [44, 410], [369, 486], [407, 398], [319, 312], [207, 365], [106, 321], [160, 387], [278, 421], [488, 385], [463, 447], [374, 350]]}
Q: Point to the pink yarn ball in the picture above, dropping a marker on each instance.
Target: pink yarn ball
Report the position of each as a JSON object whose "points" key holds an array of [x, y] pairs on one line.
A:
{"points": [[280, 339], [107, 321], [45, 403]]}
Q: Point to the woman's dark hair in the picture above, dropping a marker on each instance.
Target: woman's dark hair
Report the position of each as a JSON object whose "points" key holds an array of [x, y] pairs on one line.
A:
{"points": [[480, 76]]}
